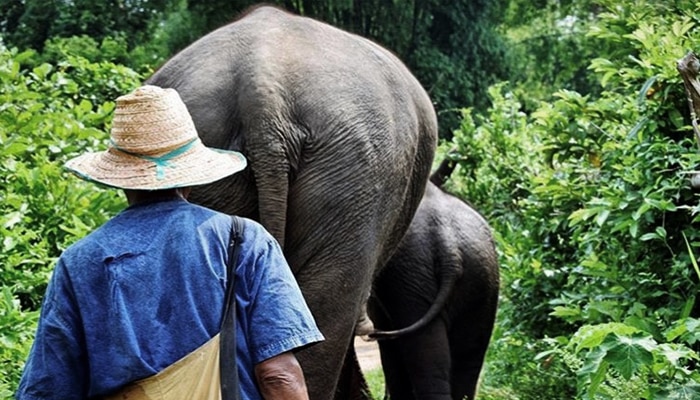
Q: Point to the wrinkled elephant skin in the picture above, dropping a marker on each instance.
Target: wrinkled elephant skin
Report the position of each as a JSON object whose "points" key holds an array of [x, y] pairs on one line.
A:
{"points": [[339, 137], [448, 250]]}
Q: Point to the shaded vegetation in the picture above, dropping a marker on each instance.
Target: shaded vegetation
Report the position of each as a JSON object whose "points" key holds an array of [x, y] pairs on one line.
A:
{"points": [[452, 47], [573, 138]]}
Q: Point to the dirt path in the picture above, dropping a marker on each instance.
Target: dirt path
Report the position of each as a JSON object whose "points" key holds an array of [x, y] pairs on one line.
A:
{"points": [[367, 354]]}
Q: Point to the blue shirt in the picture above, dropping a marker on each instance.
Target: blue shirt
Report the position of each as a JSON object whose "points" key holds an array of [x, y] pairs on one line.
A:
{"points": [[146, 289]]}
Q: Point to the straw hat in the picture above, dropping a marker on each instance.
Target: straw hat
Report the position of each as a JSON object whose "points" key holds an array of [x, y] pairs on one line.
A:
{"points": [[155, 146]]}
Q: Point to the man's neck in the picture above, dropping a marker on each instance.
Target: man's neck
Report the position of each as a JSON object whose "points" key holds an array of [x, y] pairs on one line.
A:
{"points": [[148, 196]]}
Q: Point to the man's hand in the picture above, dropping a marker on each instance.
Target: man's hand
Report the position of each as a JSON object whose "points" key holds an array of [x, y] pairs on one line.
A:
{"points": [[281, 377]]}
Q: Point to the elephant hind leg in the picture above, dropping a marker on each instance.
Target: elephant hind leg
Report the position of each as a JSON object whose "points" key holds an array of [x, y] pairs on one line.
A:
{"points": [[396, 379], [469, 341], [424, 364], [466, 370], [352, 381], [465, 381]]}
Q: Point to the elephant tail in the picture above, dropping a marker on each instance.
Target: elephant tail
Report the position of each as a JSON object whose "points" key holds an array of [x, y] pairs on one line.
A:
{"points": [[444, 170], [435, 309]]}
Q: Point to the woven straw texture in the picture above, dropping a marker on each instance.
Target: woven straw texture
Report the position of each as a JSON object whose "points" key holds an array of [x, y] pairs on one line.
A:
{"points": [[155, 146]]}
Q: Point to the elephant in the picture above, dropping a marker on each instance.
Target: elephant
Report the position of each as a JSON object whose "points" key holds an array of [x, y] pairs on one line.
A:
{"points": [[443, 284], [339, 137]]}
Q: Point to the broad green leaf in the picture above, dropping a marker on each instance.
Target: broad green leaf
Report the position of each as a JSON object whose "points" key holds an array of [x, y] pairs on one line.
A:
{"points": [[591, 336], [675, 353], [649, 236], [661, 232], [629, 354], [580, 215], [565, 312], [641, 210], [642, 96], [678, 391], [593, 370], [634, 229], [681, 27], [610, 308], [43, 70], [602, 217], [687, 328]]}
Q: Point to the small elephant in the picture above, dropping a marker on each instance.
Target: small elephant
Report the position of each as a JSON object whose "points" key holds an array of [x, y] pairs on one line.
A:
{"points": [[339, 137], [443, 281]]}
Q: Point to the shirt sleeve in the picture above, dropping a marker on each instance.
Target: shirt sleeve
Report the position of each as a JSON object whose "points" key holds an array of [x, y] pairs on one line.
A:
{"points": [[56, 366], [279, 319]]}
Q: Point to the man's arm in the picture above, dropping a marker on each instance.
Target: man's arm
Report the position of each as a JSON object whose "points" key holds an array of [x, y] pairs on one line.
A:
{"points": [[281, 377], [56, 367]]}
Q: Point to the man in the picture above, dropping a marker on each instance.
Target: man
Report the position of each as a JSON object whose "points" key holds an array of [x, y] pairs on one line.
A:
{"points": [[147, 288]]}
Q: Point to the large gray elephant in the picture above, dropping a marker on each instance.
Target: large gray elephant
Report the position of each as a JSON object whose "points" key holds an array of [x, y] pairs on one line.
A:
{"points": [[435, 302], [339, 136]]}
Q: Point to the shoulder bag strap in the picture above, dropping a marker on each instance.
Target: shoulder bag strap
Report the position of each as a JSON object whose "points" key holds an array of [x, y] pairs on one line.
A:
{"points": [[228, 367]]}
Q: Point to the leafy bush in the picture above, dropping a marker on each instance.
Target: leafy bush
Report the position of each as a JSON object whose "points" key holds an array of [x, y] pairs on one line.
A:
{"points": [[16, 333], [622, 361], [49, 114], [590, 198]]}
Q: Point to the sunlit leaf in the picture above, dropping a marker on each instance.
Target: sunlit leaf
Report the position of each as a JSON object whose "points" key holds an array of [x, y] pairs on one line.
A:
{"points": [[628, 354]]}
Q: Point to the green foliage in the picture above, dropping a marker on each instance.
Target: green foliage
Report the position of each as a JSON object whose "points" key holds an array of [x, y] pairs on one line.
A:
{"points": [[518, 368], [580, 163], [549, 47], [590, 199], [375, 381], [619, 361], [50, 113], [16, 333], [457, 54], [30, 23], [178, 29], [453, 48], [111, 50]]}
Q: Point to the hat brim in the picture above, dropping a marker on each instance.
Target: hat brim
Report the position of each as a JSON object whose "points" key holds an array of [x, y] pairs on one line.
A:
{"points": [[197, 166]]}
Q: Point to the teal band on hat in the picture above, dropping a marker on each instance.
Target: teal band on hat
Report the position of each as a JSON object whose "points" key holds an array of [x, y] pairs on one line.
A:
{"points": [[161, 162]]}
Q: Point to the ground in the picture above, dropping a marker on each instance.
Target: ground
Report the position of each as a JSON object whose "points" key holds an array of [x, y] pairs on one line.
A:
{"points": [[367, 354]]}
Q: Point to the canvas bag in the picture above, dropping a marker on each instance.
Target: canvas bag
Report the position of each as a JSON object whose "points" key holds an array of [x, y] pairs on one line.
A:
{"points": [[196, 376]]}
